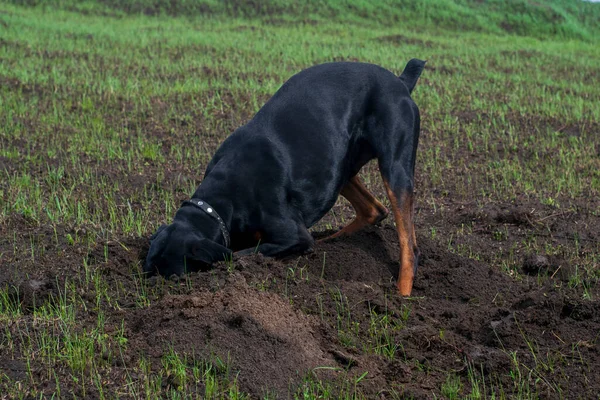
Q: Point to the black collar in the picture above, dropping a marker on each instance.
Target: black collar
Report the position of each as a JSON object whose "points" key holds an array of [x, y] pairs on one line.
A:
{"points": [[204, 206]]}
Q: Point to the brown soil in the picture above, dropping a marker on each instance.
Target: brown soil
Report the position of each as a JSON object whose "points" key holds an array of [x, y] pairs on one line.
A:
{"points": [[279, 320]]}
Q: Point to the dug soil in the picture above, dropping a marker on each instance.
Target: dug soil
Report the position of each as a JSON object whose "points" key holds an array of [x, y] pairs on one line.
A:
{"points": [[334, 315]]}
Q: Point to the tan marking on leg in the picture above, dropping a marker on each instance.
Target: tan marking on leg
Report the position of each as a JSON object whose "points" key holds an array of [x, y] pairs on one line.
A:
{"points": [[373, 210], [369, 211], [402, 207]]}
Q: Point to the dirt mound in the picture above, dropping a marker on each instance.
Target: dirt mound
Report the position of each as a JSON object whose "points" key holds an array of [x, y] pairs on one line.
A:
{"points": [[337, 307], [265, 337]]}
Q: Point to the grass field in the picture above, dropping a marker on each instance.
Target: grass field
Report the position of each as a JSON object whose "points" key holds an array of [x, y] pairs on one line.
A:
{"points": [[111, 110]]}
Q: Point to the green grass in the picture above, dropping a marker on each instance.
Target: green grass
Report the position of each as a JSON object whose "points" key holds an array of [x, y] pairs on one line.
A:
{"points": [[96, 97], [87, 90], [557, 18]]}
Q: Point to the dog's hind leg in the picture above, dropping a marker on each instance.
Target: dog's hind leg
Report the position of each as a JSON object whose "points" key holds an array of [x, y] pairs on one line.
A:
{"points": [[402, 201], [397, 164], [369, 211]]}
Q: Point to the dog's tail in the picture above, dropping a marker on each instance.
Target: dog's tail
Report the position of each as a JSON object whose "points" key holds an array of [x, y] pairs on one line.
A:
{"points": [[411, 73]]}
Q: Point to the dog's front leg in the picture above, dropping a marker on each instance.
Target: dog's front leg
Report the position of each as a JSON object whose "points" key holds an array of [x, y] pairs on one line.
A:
{"points": [[290, 238]]}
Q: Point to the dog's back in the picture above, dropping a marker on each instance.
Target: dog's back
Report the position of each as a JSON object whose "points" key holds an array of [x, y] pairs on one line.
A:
{"points": [[320, 127]]}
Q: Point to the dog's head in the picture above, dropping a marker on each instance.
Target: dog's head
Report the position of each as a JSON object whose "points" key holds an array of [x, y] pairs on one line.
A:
{"points": [[178, 248]]}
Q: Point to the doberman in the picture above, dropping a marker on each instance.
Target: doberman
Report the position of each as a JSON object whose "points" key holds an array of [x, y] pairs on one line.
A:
{"points": [[276, 176]]}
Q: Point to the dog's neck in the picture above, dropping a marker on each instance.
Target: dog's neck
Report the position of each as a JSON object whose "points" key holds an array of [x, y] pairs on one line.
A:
{"points": [[209, 210], [207, 225]]}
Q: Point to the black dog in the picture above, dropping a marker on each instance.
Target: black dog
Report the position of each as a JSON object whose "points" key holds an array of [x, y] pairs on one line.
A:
{"points": [[276, 176]]}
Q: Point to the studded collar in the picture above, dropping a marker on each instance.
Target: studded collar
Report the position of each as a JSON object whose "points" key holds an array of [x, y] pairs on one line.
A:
{"points": [[204, 206]]}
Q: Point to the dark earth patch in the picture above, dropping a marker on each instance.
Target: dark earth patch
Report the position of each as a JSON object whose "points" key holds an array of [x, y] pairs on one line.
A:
{"points": [[405, 40], [279, 320]]}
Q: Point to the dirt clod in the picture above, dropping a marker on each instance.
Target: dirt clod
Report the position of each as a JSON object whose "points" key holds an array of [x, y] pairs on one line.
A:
{"points": [[34, 292], [535, 264]]}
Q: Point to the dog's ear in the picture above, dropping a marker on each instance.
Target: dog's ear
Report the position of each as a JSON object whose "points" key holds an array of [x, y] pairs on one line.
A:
{"points": [[155, 249], [160, 229], [208, 252], [411, 73], [152, 254]]}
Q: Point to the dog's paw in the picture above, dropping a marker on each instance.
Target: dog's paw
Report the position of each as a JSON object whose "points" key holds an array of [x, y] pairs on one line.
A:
{"points": [[242, 253]]}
